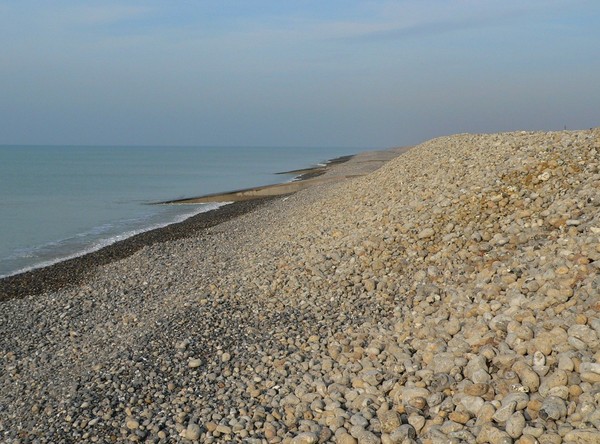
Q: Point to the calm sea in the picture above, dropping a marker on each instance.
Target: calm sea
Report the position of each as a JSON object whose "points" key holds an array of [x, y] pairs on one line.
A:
{"points": [[58, 202]]}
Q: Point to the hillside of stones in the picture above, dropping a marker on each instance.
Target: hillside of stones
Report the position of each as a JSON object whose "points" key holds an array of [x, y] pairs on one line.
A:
{"points": [[469, 267], [451, 296]]}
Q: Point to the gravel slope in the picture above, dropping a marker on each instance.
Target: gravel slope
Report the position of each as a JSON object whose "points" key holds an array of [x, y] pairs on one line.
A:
{"points": [[450, 296]]}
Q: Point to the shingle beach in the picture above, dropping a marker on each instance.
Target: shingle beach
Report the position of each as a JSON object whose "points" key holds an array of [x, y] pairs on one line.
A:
{"points": [[450, 296]]}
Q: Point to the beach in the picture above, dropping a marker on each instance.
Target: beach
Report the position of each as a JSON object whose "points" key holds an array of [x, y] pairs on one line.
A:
{"points": [[444, 293], [72, 271]]}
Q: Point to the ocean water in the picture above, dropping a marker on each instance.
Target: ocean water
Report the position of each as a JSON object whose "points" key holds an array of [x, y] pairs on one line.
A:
{"points": [[58, 202]]}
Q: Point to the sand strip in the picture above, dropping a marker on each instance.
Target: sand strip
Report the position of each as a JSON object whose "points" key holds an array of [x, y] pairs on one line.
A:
{"points": [[362, 164]]}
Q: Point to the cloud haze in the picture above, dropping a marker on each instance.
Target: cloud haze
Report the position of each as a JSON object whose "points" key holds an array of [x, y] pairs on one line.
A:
{"points": [[352, 73]]}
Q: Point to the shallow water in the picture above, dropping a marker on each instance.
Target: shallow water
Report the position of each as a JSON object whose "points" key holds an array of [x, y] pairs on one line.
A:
{"points": [[62, 201]]}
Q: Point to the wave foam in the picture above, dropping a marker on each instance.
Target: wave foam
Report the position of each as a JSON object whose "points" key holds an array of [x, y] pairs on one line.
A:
{"points": [[100, 243]]}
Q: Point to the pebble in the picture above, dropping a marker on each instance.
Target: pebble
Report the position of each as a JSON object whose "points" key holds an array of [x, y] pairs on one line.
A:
{"points": [[405, 431], [527, 439], [528, 377], [472, 404], [555, 379], [590, 372], [505, 412], [305, 438], [583, 436], [132, 424], [477, 389], [390, 421], [519, 398], [417, 421], [553, 408], [515, 425], [366, 437], [426, 233], [224, 429], [192, 432], [345, 438], [565, 363], [194, 363]]}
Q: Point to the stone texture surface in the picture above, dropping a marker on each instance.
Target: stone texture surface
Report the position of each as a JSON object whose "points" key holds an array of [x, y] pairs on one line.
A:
{"points": [[450, 296]]}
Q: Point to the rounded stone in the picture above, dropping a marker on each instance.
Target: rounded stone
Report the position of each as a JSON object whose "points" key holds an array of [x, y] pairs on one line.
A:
{"points": [[553, 408], [192, 432], [515, 425], [345, 438], [405, 431], [132, 424], [305, 438], [194, 363]]}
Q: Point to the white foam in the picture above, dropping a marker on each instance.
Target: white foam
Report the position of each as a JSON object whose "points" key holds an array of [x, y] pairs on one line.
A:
{"points": [[109, 241]]}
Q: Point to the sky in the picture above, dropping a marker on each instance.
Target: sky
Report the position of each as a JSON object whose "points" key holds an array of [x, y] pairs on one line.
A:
{"points": [[370, 74]]}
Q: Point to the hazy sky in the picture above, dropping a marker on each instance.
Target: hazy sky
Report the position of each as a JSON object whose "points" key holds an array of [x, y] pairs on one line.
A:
{"points": [[293, 72]]}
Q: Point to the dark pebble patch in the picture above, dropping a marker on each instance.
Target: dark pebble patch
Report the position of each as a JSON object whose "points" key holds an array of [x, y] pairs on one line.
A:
{"points": [[74, 271]]}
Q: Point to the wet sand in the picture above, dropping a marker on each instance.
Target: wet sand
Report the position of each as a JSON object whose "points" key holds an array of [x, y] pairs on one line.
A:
{"points": [[364, 164]]}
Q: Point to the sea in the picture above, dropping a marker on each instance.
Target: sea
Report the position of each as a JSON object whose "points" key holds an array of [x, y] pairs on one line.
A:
{"points": [[60, 202]]}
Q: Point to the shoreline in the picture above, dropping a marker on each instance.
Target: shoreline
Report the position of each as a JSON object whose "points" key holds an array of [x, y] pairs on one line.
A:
{"points": [[365, 163], [305, 178], [73, 271], [318, 170]]}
